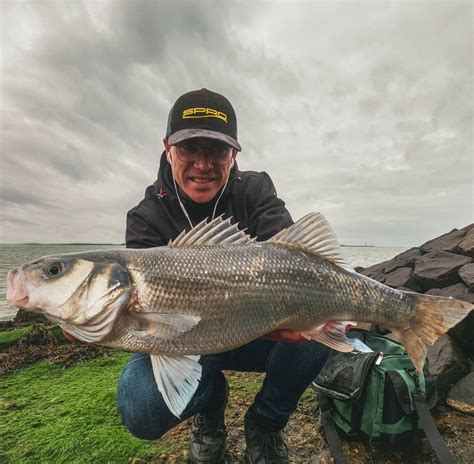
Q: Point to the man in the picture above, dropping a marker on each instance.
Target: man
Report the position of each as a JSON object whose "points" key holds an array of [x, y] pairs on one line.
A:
{"points": [[198, 178]]}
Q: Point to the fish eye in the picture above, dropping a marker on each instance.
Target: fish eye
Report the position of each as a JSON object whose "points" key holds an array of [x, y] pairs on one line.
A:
{"points": [[54, 269]]}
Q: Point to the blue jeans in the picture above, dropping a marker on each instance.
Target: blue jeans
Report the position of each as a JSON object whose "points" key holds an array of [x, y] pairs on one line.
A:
{"points": [[289, 367]]}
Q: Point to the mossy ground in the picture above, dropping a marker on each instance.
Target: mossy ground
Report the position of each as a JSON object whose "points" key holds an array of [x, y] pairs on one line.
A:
{"points": [[51, 414], [10, 337]]}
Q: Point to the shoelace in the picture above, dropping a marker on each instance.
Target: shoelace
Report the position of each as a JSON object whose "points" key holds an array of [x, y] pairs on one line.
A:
{"points": [[206, 428], [274, 447]]}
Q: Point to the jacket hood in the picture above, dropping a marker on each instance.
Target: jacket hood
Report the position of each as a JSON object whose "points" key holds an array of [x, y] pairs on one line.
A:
{"points": [[164, 186]]}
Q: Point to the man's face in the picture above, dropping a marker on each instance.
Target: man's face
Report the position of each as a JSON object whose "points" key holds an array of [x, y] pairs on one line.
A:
{"points": [[201, 178]]}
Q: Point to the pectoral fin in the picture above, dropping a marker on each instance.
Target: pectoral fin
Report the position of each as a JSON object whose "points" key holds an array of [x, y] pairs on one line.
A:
{"points": [[332, 334], [166, 325], [177, 378]]}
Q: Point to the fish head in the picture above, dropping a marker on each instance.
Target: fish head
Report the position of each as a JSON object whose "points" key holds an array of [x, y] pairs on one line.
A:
{"points": [[68, 288]]}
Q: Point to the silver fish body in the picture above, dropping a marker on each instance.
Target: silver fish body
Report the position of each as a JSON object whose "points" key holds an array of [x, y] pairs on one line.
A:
{"points": [[243, 292]]}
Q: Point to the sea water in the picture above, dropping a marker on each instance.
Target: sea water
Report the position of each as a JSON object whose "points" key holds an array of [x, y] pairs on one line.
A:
{"points": [[12, 256]]}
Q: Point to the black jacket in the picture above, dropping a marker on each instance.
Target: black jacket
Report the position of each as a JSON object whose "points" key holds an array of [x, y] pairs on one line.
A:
{"points": [[250, 198]]}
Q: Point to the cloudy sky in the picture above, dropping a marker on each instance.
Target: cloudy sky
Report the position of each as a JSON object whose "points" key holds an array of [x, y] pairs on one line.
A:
{"points": [[360, 110]]}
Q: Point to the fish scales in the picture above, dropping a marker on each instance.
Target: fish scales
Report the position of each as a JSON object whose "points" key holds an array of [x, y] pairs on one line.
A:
{"points": [[243, 292]]}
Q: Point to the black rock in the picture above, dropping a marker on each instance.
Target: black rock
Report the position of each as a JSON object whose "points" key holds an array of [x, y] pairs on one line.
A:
{"points": [[467, 275], [439, 269], [374, 269], [463, 334], [405, 259], [379, 276], [448, 364], [461, 396], [447, 242], [458, 291], [402, 277], [466, 247]]}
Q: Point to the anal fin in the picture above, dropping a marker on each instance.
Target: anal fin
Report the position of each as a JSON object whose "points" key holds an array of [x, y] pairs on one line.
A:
{"points": [[333, 335]]}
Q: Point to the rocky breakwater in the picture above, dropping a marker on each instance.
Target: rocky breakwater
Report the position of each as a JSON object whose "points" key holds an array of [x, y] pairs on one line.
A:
{"points": [[443, 266]]}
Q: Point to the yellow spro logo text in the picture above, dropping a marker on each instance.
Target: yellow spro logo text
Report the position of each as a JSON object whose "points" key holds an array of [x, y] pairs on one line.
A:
{"points": [[204, 113]]}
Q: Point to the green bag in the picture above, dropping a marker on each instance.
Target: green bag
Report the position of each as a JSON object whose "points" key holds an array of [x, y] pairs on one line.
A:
{"points": [[377, 393], [372, 391]]}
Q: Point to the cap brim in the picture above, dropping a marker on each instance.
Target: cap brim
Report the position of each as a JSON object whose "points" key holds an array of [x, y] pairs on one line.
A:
{"points": [[186, 134]]}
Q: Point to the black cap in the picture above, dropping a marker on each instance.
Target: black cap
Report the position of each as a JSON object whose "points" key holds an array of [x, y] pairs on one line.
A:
{"points": [[202, 113]]}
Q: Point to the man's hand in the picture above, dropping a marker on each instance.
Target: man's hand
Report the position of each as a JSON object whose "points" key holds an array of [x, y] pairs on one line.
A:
{"points": [[284, 335]]}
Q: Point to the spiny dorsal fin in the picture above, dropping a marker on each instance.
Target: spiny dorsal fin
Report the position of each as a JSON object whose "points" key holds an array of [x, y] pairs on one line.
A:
{"points": [[216, 232], [313, 234]]}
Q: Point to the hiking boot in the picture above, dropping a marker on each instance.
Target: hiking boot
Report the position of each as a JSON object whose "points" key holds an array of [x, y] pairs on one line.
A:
{"points": [[264, 442], [209, 436]]}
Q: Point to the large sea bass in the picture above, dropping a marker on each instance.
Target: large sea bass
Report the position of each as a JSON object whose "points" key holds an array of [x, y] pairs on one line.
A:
{"points": [[214, 289]]}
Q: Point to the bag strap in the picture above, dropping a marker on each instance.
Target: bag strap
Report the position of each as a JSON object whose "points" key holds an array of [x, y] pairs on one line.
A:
{"points": [[431, 432], [425, 419], [332, 437]]}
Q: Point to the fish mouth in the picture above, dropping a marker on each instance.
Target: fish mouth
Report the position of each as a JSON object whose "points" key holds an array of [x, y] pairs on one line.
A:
{"points": [[17, 294]]}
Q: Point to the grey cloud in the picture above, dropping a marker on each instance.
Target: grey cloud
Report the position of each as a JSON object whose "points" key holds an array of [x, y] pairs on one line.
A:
{"points": [[100, 69], [360, 110], [20, 197], [369, 105]]}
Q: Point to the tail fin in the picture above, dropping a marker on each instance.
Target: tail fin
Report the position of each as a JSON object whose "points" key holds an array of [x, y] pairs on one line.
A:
{"points": [[435, 315]]}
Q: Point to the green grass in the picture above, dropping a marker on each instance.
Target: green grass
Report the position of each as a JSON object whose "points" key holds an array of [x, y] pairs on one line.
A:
{"points": [[55, 415], [10, 337]]}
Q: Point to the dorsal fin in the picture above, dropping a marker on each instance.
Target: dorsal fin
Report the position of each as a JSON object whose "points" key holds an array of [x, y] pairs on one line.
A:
{"points": [[216, 232], [313, 234]]}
